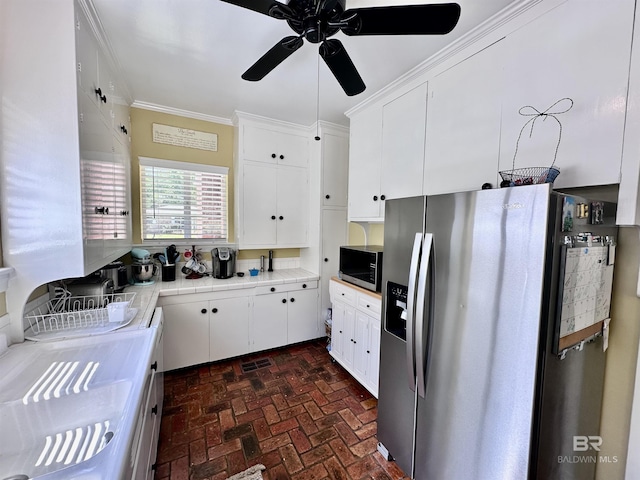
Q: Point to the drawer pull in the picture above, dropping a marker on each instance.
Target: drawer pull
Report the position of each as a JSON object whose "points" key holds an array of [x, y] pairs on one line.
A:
{"points": [[273, 289], [304, 285], [154, 365]]}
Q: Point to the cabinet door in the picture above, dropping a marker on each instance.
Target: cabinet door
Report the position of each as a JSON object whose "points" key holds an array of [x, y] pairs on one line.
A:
{"points": [[293, 149], [269, 325], [463, 124], [292, 207], [403, 138], [365, 148], [373, 354], [259, 144], [360, 345], [186, 334], [564, 54], [348, 327], [96, 170], [334, 234], [118, 227], [335, 170], [87, 58], [229, 328], [259, 220], [337, 329], [302, 316]]}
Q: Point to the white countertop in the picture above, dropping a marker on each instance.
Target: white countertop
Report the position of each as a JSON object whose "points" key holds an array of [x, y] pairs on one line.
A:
{"points": [[147, 295]]}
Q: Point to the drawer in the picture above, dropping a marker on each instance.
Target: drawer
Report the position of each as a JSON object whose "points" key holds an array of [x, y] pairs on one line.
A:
{"points": [[369, 304], [343, 293], [286, 287]]}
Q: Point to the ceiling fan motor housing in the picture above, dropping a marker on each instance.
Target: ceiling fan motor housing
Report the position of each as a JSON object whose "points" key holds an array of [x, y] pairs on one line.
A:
{"points": [[312, 23]]}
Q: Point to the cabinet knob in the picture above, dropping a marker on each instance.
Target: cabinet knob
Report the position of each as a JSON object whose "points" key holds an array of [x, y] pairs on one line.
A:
{"points": [[326, 259], [106, 210], [123, 129], [354, 342], [154, 410], [154, 365], [281, 217], [368, 351], [375, 198], [273, 217], [340, 331], [327, 196], [368, 306], [99, 210], [214, 310], [284, 300], [204, 310], [273, 155], [304, 285], [342, 294], [273, 289], [382, 197], [292, 300], [281, 157]]}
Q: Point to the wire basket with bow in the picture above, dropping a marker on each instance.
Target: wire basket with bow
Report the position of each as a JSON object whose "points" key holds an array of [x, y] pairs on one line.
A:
{"points": [[536, 175]]}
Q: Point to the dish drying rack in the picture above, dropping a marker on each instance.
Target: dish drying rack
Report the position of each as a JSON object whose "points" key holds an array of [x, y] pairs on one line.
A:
{"points": [[67, 313]]}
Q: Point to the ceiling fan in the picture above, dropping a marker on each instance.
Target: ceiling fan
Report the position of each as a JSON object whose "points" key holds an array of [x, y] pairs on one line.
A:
{"points": [[317, 20]]}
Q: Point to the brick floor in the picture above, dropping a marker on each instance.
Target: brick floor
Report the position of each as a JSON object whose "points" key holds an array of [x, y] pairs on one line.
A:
{"points": [[304, 418]]}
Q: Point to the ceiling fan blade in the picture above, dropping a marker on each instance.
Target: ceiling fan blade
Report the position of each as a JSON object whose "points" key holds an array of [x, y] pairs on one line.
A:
{"points": [[274, 57], [434, 19], [337, 59], [266, 7]]}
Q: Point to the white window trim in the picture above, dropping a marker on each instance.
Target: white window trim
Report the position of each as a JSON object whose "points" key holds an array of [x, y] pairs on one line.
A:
{"points": [[196, 167]]}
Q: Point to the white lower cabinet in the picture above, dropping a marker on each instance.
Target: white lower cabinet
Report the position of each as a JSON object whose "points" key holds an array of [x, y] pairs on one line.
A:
{"points": [[202, 328], [284, 314], [186, 330], [201, 332], [151, 411], [229, 327], [355, 333]]}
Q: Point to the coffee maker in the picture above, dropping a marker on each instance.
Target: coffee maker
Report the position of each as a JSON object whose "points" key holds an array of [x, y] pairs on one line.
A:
{"points": [[224, 262]]}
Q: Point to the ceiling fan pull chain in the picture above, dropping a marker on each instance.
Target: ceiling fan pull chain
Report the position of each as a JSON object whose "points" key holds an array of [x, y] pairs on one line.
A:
{"points": [[317, 137]]}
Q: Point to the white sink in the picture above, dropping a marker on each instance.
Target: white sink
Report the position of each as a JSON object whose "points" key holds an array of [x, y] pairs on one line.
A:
{"points": [[72, 405]]}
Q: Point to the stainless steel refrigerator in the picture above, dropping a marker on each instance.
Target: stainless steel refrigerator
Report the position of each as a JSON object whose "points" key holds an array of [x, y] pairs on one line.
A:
{"points": [[491, 361]]}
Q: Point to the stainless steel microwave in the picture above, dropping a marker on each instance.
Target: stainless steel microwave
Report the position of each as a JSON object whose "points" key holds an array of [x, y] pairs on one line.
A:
{"points": [[362, 266]]}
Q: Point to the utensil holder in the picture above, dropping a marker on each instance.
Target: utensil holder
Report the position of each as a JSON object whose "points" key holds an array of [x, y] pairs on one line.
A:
{"points": [[169, 272]]}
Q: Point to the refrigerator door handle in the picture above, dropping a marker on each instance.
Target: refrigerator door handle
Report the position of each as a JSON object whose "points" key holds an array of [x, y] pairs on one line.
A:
{"points": [[411, 306], [425, 263]]}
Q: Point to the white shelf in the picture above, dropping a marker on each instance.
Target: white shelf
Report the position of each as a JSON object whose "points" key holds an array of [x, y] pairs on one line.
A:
{"points": [[5, 273]]}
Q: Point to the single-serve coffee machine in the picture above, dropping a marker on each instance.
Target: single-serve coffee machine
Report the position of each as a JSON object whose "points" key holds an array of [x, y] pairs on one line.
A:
{"points": [[224, 262]]}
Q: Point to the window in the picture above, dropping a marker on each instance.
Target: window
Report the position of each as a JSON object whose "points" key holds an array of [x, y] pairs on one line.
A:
{"points": [[182, 200]]}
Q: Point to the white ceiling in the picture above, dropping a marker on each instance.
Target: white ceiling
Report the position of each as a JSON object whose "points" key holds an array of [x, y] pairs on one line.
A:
{"points": [[190, 54]]}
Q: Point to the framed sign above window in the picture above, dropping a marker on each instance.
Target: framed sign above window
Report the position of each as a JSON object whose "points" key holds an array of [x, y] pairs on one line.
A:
{"points": [[180, 200]]}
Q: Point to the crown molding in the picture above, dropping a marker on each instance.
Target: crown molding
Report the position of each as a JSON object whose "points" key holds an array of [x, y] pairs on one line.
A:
{"points": [[181, 113], [478, 35]]}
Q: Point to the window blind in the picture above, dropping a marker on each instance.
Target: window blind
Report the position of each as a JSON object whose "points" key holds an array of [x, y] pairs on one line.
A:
{"points": [[182, 200]]}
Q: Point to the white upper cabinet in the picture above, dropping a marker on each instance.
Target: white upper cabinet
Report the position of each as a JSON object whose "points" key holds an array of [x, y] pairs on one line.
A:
{"points": [[272, 193], [403, 136], [271, 145], [335, 169], [365, 148], [580, 50], [463, 124]]}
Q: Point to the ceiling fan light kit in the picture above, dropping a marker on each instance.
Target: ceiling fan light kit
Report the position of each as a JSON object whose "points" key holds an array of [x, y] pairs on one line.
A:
{"points": [[317, 20]]}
